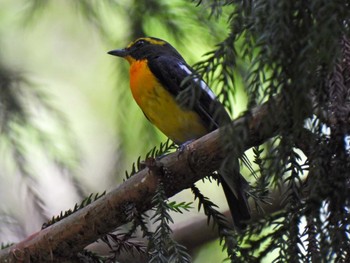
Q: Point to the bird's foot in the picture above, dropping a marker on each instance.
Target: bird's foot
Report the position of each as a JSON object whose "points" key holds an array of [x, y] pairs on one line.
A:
{"points": [[183, 146]]}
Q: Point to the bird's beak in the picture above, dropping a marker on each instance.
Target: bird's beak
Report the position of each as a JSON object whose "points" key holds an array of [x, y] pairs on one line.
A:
{"points": [[119, 52]]}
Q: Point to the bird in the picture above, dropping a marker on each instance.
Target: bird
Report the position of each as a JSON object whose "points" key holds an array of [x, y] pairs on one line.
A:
{"points": [[176, 99]]}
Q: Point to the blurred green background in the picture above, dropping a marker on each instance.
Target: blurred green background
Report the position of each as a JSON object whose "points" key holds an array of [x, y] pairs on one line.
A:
{"points": [[61, 47]]}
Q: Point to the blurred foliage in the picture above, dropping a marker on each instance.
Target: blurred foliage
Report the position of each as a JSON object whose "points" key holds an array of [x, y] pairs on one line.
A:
{"points": [[24, 138], [298, 51]]}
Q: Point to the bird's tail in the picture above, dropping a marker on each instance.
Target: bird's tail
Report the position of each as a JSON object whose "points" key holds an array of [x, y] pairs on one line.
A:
{"points": [[235, 187]]}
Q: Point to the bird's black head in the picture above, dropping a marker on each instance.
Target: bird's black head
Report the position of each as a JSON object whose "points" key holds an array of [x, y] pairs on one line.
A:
{"points": [[145, 48]]}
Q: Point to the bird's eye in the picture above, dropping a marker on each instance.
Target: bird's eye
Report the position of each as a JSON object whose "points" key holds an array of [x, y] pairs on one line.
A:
{"points": [[139, 43]]}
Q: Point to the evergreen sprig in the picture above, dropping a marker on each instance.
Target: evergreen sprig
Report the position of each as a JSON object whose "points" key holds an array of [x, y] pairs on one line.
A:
{"points": [[226, 232], [5, 245], [179, 207], [88, 200], [157, 151], [138, 221], [260, 190], [162, 248], [120, 242], [218, 70]]}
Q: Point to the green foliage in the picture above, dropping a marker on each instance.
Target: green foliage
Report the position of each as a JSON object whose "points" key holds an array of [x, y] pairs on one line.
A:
{"points": [[298, 51], [291, 56], [155, 152], [3, 245], [260, 190], [118, 243], [219, 70], [15, 116], [23, 138], [162, 247], [226, 232], [179, 207]]}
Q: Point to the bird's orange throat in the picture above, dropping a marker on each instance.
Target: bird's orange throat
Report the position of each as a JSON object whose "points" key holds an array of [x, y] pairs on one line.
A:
{"points": [[142, 81]]}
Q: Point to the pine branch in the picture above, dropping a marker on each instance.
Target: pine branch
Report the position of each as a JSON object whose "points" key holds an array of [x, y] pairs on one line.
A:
{"points": [[196, 232], [162, 247], [226, 232], [119, 243]]}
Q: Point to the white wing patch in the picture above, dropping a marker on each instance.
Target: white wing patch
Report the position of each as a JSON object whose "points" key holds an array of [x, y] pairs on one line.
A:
{"points": [[202, 84]]}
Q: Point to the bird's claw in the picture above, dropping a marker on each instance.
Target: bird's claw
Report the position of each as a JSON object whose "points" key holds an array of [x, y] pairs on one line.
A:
{"points": [[183, 146]]}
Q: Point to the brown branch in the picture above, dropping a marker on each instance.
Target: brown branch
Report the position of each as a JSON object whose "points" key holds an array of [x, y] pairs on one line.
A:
{"points": [[178, 171], [195, 232]]}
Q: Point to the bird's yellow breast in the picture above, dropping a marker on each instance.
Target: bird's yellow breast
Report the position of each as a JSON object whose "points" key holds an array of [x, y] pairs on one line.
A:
{"points": [[161, 108]]}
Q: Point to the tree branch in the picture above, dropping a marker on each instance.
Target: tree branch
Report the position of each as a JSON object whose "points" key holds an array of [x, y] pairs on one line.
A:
{"points": [[195, 232], [178, 171]]}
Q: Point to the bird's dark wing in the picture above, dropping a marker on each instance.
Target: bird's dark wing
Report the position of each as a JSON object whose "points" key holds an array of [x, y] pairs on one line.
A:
{"points": [[189, 89], [193, 93]]}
